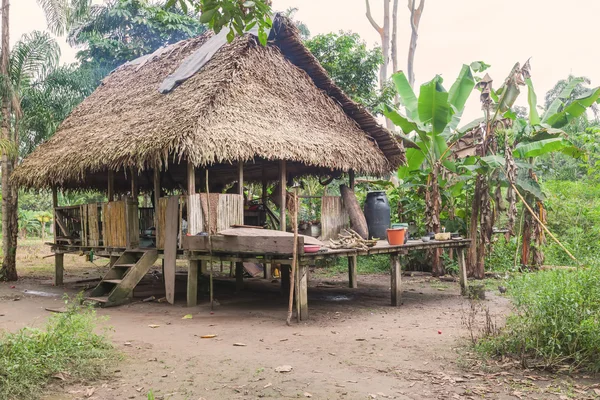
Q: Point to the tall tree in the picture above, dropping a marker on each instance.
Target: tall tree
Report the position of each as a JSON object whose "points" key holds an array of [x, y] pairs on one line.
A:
{"points": [[384, 34], [415, 19]]}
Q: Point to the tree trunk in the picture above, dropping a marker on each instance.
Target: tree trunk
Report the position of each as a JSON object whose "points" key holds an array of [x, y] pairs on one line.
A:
{"points": [[10, 227], [357, 217], [415, 19], [433, 204], [474, 223]]}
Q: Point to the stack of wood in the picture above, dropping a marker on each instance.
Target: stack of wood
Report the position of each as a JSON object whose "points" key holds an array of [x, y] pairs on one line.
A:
{"points": [[349, 239]]}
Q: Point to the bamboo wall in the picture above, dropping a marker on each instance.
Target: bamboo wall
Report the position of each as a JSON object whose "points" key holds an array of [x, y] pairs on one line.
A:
{"points": [[334, 217]]}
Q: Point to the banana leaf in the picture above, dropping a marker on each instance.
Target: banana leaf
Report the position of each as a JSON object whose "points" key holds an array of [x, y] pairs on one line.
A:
{"points": [[461, 89], [544, 146], [530, 186], [409, 99], [433, 105], [414, 160], [534, 117]]}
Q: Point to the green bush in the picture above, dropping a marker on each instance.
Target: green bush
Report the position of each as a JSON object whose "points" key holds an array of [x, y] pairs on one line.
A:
{"points": [[67, 346], [556, 320]]}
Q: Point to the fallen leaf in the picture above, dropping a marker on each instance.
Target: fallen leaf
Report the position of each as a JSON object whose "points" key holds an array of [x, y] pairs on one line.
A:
{"points": [[306, 394], [59, 375], [284, 368], [127, 344], [187, 316], [597, 392], [164, 375], [239, 344], [89, 392], [208, 336], [153, 326], [268, 385]]}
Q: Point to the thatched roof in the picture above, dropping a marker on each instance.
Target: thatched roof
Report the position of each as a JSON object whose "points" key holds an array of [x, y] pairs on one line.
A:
{"points": [[248, 102]]}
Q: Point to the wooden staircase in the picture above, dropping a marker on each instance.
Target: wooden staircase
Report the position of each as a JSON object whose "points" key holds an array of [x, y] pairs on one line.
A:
{"points": [[117, 285]]}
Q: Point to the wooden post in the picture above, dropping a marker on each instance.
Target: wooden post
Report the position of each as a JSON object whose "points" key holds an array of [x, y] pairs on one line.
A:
{"points": [[284, 272], [351, 179], [239, 276], [462, 270], [352, 282], [282, 195], [241, 178], [192, 283], [396, 282], [54, 205], [264, 195], [111, 185], [59, 259], [134, 186], [302, 292], [267, 270], [191, 178], [156, 182]]}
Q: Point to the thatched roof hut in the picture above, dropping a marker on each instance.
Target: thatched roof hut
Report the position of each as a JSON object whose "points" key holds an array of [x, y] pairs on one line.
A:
{"points": [[251, 103]]}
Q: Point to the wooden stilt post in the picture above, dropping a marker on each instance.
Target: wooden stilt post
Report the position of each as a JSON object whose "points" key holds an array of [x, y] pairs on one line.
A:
{"points": [[191, 178], [352, 283], [268, 272], [192, 283], [351, 179], [111, 186], [241, 178], [54, 205], [462, 269], [264, 194], [156, 184], [396, 282], [59, 259], [302, 292], [282, 194], [284, 271], [134, 186], [239, 276]]}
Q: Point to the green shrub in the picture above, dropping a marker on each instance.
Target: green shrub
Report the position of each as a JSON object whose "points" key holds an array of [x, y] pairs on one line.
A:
{"points": [[66, 348], [556, 320]]}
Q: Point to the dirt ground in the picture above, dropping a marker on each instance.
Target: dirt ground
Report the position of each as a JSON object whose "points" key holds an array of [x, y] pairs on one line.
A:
{"points": [[354, 346]]}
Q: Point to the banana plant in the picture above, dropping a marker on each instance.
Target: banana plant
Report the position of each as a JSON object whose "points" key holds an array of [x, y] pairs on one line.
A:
{"points": [[429, 130]]}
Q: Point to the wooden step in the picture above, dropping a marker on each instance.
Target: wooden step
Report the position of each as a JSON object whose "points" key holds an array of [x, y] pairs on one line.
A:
{"points": [[98, 299], [124, 265], [115, 281]]}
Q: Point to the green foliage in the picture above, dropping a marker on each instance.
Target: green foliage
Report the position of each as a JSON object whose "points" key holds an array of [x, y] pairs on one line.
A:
{"points": [[238, 16], [352, 66], [122, 30], [501, 257], [556, 320], [67, 345]]}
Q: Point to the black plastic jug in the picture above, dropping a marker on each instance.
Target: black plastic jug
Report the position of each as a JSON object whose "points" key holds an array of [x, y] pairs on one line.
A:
{"points": [[377, 214]]}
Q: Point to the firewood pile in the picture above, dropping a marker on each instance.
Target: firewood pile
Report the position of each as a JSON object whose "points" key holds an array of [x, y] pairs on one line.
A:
{"points": [[349, 239]]}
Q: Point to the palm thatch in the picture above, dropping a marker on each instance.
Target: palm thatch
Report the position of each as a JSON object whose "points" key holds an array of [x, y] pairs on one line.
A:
{"points": [[248, 102]]}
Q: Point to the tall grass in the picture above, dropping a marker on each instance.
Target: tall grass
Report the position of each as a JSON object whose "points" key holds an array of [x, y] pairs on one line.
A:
{"points": [[67, 347], [556, 320]]}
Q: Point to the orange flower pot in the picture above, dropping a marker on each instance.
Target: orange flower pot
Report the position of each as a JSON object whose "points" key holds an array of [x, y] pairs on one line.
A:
{"points": [[396, 236]]}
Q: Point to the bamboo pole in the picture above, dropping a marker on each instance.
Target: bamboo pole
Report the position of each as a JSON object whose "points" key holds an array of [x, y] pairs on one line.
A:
{"points": [[210, 273], [294, 255]]}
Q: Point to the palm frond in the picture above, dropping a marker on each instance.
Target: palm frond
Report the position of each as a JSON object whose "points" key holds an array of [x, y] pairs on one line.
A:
{"points": [[61, 15], [32, 57]]}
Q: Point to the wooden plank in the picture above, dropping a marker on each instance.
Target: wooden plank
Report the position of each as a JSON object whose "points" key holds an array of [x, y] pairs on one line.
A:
{"points": [[59, 262], [282, 195], [230, 211], [54, 206], [239, 276], [132, 221], [195, 217], [267, 232], [170, 256], [156, 184], [244, 244], [161, 219], [462, 270], [396, 280], [302, 292], [61, 223], [93, 226], [192, 283], [253, 269], [352, 282], [334, 217], [284, 270]]}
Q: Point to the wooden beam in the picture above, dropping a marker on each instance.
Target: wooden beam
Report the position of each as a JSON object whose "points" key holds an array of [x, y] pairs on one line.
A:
{"points": [[191, 178], [282, 194], [192, 283], [241, 178], [351, 179], [352, 283], [396, 282], [54, 205], [111, 185], [170, 251], [462, 270]]}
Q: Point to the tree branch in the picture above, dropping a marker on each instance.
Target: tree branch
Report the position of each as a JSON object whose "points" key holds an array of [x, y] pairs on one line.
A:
{"points": [[371, 20]]}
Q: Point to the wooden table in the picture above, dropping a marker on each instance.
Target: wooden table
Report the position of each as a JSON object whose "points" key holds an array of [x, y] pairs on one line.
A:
{"points": [[306, 260]]}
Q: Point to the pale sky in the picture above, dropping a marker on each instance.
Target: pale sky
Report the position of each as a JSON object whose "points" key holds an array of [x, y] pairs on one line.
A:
{"points": [[558, 36]]}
